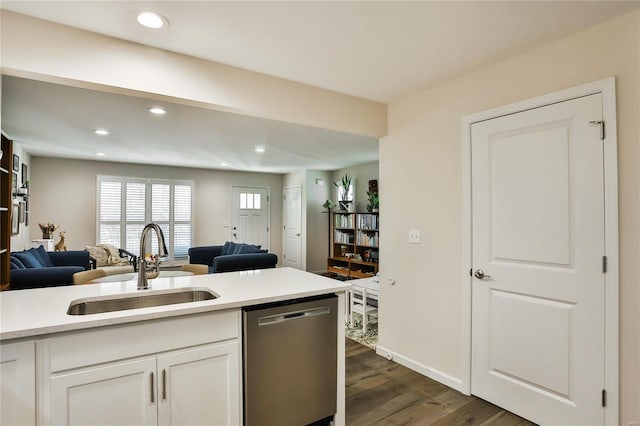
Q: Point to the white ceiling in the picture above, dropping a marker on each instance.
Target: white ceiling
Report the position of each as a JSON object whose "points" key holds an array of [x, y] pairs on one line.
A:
{"points": [[371, 49], [57, 121]]}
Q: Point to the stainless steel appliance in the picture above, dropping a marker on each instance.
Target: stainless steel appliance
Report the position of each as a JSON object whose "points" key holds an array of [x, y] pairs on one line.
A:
{"points": [[290, 362]]}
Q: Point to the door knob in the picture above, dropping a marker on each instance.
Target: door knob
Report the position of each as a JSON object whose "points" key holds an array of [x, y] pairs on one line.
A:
{"points": [[480, 274]]}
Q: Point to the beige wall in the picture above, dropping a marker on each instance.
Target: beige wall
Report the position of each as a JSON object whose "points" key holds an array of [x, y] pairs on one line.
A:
{"points": [[64, 192], [421, 188], [317, 221], [51, 52]]}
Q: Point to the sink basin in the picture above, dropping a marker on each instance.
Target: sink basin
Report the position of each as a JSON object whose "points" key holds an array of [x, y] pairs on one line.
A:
{"points": [[104, 304]]}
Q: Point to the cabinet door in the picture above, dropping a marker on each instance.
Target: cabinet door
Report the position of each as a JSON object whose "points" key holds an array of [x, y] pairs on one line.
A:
{"points": [[200, 386], [18, 384], [116, 394]]}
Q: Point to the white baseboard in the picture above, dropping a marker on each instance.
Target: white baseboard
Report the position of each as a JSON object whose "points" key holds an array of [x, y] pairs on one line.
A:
{"points": [[425, 370]]}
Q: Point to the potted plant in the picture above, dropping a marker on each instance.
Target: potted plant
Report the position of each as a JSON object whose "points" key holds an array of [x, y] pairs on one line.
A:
{"points": [[343, 189], [329, 205], [374, 202]]}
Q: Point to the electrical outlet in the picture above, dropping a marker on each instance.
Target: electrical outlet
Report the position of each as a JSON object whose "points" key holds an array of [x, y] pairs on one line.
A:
{"points": [[414, 236]]}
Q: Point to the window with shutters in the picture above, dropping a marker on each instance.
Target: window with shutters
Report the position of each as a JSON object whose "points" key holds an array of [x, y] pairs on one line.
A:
{"points": [[126, 205]]}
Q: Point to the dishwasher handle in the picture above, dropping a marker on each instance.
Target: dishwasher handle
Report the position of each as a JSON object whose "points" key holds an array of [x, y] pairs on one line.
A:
{"points": [[294, 315]]}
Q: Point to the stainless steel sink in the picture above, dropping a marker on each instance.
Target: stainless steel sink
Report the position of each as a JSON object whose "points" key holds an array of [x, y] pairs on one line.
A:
{"points": [[111, 304]]}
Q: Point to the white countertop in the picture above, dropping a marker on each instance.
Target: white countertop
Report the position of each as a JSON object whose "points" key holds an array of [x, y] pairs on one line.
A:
{"points": [[42, 311]]}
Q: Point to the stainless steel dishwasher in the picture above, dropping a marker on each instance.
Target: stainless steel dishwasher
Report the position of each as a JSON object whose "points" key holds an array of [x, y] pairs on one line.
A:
{"points": [[290, 362]]}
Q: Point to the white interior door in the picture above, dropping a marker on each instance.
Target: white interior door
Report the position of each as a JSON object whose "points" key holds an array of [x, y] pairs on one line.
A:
{"points": [[250, 216], [538, 236], [293, 227]]}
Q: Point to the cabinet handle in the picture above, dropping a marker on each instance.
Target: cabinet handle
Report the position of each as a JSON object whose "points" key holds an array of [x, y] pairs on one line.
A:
{"points": [[153, 396], [164, 384]]}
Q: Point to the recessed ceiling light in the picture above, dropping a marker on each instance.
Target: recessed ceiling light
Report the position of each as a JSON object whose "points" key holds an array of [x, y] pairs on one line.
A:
{"points": [[100, 154], [259, 149], [157, 110], [223, 164], [101, 132], [152, 20]]}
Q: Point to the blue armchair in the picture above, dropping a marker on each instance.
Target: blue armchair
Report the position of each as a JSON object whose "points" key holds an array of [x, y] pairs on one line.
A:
{"points": [[232, 257], [35, 268]]}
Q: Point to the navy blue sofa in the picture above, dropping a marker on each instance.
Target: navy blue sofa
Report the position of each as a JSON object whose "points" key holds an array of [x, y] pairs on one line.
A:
{"points": [[232, 257], [35, 268]]}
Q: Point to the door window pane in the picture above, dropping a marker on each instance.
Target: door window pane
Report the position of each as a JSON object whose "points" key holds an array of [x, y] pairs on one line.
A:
{"points": [[249, 201]]}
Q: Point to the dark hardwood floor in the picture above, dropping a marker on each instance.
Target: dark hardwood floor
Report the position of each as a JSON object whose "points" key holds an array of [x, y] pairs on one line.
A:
{"points": [[381, 392]]}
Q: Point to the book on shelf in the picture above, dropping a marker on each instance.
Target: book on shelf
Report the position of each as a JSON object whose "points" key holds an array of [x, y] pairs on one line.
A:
{"points": [[343, 220], [367, 221], [342, 237], [367, 239]]}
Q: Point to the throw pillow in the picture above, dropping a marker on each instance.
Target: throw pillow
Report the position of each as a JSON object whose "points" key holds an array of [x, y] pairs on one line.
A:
{"points": [[226, 248], [37, 255], [247, 249], [44, 256], [28, 259], [99, 254], [113, 255], [16, 263]]}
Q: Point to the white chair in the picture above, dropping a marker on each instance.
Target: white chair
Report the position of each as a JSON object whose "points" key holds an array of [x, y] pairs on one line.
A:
{"points": [[360, 302]]}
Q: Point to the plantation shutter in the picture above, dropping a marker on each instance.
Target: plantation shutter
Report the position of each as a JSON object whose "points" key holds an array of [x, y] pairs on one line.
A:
{"points": [[110, 212], [127, 204], [182, 220]]}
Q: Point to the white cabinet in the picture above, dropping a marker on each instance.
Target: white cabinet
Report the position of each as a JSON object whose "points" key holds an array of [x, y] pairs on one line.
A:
{"points": [[17, 384], [200, 386], [116, 394], [48, 245], [148, 373], [192, 387]]}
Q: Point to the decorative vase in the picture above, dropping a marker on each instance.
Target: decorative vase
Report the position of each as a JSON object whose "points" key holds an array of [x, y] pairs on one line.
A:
{"points": [[345, 205]]}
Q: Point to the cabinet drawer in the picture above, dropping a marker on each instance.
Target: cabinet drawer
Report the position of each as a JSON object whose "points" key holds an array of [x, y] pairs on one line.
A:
{"points": [[105, 344]]}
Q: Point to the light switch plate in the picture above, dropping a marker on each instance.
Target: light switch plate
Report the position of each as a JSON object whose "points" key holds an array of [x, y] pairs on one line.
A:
{"points": [[414, 236]]}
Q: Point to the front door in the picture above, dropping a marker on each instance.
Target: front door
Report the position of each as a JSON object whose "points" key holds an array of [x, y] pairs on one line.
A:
{"points": [[250, 216], [537, 247], [293, 227]]}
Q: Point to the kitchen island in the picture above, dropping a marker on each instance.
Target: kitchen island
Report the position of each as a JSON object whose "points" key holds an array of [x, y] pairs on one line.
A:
{"points": [[53, 364]]}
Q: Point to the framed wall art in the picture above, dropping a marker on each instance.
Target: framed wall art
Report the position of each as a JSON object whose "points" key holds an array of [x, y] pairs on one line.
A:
{"points": [[14, 184], [15, 219], [25, 176]]}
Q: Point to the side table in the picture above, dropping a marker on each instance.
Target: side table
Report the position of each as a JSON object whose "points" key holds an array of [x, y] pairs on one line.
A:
{"points": [[48, 245]]}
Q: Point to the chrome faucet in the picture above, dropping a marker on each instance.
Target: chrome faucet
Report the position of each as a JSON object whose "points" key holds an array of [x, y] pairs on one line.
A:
{"points": [[150, 269]]}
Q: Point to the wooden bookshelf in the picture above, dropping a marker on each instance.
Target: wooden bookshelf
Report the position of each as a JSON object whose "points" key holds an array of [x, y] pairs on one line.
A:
{"points": [[354, 244], [5, 210]]}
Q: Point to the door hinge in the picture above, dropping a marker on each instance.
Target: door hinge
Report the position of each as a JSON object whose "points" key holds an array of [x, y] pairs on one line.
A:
{"points": [[604, 264], [604, 397], [601, 123]]}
